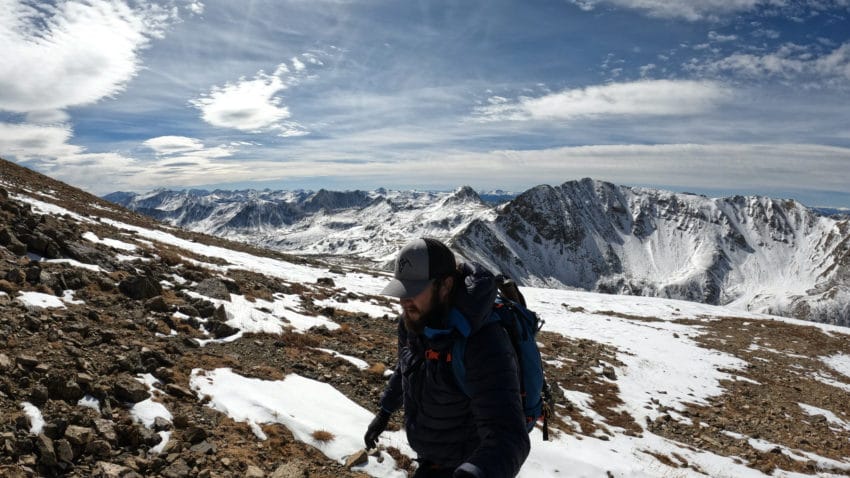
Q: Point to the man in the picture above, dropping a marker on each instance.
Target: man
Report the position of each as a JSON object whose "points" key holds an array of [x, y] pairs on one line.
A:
{"points": [[455, 435]]}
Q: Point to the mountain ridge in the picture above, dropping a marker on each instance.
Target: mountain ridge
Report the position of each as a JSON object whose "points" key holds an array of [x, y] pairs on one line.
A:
{"points": [[754, 252]]}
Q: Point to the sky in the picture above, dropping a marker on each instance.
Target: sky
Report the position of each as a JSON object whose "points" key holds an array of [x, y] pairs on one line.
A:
{"points": [[717, 97]]}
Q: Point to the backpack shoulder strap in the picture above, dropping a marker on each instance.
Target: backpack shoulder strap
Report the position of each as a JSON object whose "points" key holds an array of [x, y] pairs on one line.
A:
{"points": [[459, 352]]}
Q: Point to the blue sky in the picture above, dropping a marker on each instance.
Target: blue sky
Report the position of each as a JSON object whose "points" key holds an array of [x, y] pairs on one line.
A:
{"points": [[716, 96]]}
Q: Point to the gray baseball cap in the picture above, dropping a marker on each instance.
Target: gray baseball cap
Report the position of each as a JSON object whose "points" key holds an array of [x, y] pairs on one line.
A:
{"points": [[419, 263]]}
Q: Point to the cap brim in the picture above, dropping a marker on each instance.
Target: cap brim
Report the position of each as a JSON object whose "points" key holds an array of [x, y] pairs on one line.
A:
{"points": [[406, 288]]}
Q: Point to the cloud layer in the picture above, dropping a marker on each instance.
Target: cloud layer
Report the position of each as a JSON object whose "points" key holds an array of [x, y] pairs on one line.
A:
{"points": [[694, 10], [640, 98]]}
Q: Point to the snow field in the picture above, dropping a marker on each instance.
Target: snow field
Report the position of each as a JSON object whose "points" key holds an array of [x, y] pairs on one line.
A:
{"points": [[302, 405]]}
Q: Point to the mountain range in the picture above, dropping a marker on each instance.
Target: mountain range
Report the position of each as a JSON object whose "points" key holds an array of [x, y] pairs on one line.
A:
{"points": [[754, 253]]}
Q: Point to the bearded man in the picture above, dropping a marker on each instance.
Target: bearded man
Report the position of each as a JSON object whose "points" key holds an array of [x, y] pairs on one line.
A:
{"points": [[457, 432]]}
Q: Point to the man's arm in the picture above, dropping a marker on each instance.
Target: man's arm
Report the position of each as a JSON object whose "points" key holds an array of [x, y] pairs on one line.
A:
{"points": [[493, 385], [392, 397]]}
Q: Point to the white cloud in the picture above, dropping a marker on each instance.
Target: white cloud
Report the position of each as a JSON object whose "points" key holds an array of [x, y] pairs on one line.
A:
{"points": [[790, 61], [165, 145], [645, 70], [639, 98], [253, 105], [717, 37], [47, 149], [694, 10], [27, 141], [298, 64], [687, 9], [73, 53], [196, 7]]}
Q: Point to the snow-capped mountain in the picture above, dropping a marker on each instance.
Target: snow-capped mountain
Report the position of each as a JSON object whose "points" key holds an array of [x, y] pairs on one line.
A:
{"points": [[754, 253], [352, 224]]}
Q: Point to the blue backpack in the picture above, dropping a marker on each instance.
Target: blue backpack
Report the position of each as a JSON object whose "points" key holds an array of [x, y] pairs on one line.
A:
{"points": [[522, 326]]}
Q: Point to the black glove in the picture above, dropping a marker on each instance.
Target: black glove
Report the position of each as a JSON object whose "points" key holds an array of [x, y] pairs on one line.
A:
{"points": [[378, 425], [462, 474], [467, 470]]}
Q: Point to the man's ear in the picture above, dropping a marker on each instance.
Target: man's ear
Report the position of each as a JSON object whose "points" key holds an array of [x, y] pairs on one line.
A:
{"points": [[446, 287]]}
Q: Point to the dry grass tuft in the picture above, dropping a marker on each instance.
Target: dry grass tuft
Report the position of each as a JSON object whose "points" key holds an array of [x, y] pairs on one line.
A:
{"points": [[294, 339], [323, 436], [170, 258], [377, 369]]}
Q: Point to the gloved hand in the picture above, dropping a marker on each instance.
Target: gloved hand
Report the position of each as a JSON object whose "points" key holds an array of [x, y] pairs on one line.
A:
{"points": [[378, 425], [467, 470]]}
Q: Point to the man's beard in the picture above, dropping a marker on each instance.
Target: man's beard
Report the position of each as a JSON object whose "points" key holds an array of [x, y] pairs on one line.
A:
{"points": [[434, 318]]}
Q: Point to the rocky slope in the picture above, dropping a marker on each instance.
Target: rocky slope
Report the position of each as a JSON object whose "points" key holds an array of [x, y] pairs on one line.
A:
{"points": [[754, 253], [106, 316]]}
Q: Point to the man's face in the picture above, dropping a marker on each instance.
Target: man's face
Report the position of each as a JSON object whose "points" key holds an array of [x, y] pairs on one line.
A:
{"points": [[420, 311]]}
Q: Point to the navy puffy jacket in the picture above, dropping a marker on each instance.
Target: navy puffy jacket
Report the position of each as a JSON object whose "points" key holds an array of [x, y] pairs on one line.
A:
{"points": [[484, 432]]}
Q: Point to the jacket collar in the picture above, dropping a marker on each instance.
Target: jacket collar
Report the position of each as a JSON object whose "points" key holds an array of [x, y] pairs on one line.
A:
{"points": [[454, 321]]}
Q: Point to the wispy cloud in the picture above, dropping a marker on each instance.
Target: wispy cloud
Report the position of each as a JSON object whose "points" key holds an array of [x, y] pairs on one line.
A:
{"points": [[717, 37], [687, 9], [184, 150], [73, 53], [789, 62], [639, 98], [255, 105], [709, 9]]}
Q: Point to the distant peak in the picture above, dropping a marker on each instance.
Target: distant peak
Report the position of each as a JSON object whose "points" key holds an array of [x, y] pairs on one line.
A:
{"points": [[463, 194], [466, 191]]}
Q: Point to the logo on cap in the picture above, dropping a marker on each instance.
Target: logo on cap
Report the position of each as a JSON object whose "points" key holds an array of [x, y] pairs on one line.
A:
{"points": [[402, 263]]}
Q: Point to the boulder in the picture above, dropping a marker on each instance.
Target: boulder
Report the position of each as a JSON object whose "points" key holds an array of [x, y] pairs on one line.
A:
{"points": [[214, 288], [140, 287], [64, 452], [112, 470], [5, 362], [15, 276], [161, 424], [11, 242], [128, 389], [79, 436], [106, 429], [254, 472], [46, 452], [178, 469], [156, 304], [358, 458]]}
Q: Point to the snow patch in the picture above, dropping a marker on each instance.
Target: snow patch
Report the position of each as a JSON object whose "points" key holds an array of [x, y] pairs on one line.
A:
{"points": [[40, 301], [90, 402], [839, 362], [361, 364], [300, 404], [113, 243], [36, 419]]}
